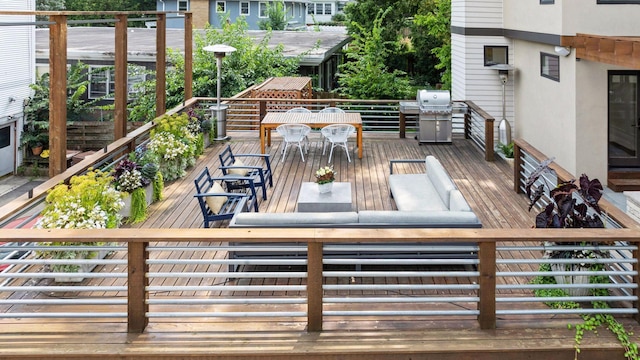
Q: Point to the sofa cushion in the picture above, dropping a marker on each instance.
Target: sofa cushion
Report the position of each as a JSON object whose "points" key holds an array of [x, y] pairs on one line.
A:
{"points": [[293, 219], [457, 202], [439, 178], [238, 171], [426, 218], [414, 192]]}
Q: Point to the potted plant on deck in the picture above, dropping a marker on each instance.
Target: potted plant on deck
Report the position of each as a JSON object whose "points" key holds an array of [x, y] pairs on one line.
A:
{"points": [[89, 201], [572, 205]]}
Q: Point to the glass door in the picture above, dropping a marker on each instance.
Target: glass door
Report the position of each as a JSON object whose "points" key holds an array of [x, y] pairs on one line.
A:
{"points": [[624, 122]]}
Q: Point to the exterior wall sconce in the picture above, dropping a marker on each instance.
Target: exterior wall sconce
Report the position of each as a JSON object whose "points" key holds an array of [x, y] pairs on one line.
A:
{"points": [[562, 50]]}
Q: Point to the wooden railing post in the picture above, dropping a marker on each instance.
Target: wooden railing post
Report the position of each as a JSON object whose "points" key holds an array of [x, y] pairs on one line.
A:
{"points": [[636, 280], [314, 286], [489, 145], [487, 282], [402, 125], [137, 306], [517, 165]]}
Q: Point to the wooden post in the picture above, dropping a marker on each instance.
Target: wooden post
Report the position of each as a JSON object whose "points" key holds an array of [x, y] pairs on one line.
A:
{"points": [[487, 282], [467, 124], [188, 55], [403, 126], [517, 165], [121, 75], [161, 64], [137, 306], [488, 140], [314, 287], [57, 95]]}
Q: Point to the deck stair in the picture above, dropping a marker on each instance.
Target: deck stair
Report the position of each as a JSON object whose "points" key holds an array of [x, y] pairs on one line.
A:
{"points": [[624, 180]]}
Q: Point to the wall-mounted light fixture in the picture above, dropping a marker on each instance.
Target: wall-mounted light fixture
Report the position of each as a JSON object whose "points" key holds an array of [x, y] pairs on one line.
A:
{"points": [[562, 50]]}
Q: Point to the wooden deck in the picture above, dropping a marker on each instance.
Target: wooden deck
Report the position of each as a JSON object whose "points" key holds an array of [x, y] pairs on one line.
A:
{"points": [[488, 188]]}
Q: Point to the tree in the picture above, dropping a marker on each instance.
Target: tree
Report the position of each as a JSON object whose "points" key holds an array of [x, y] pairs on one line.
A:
{"points": [[48, 5], [111, 5], [250, 64], [438, 23], [276, 17], [365, 76]]}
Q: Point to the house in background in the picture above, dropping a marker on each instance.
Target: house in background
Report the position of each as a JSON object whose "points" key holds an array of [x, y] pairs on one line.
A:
{"points": [[573, 92], [17, 72], [298, 12]]}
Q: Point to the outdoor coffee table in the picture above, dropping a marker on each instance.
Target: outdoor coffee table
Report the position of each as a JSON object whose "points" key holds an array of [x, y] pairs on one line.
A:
{"points": [[338, 200]]}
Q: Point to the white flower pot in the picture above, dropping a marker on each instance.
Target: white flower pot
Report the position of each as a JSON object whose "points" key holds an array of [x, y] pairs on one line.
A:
{"points": [[325, 188], [572, 279], [84, 268], [126, 209]]}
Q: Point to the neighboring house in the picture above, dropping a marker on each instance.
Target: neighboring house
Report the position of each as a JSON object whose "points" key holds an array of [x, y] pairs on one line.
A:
{"points": [[17, 72], [321, 52], [574, 91], [298, 12]]}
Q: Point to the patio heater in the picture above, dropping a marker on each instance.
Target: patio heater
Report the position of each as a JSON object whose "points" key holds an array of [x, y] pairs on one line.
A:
{"points": [[220, 111], [504, 128]]}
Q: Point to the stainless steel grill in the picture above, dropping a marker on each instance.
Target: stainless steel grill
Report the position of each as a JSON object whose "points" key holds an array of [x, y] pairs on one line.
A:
{"points": [[434, 120]]}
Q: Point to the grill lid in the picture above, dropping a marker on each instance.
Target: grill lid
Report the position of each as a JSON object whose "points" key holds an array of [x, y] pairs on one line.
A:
{"points": [[434, 101]]}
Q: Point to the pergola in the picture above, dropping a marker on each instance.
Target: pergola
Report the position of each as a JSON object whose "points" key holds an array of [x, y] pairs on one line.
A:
{"points": [[58, 23], [613, 50]]}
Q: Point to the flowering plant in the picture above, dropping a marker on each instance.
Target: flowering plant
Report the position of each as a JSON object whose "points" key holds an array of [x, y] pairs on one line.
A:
{"points": [[325, 175], [128, 176]]}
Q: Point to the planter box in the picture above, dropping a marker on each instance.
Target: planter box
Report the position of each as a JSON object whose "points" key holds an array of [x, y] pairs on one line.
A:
{"points": [[84, 268], [126, 209]]}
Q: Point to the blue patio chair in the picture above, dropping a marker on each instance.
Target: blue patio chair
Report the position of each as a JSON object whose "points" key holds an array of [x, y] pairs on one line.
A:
{"points": [[232, 164], [218, 203]]}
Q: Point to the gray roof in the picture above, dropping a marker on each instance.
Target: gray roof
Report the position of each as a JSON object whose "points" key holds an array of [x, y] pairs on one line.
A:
{"points": [[97, 43]]}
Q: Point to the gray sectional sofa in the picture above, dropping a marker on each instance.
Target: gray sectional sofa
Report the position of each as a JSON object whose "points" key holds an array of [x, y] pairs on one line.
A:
{"points": [[425, 200]]}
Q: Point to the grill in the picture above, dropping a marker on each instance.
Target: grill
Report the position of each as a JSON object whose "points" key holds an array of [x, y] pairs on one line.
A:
{"points": [[434, 119]]}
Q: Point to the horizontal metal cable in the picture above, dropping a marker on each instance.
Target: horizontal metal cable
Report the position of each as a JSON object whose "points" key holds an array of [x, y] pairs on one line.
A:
{"points": [[280, 261], [568, 311], [70, 301], [227, 314], [56, 288], [565, 247], [554, 273], [397, 299], [229, 288], [407, 261], [63, 315], [565, 261], [565, 286], [359, 274], [235, 301], [63, 248], [239, 248], [49, 275], [64, 261], [566, 298], [237, 275], [426, 247], [400, 287], [401, 313]]}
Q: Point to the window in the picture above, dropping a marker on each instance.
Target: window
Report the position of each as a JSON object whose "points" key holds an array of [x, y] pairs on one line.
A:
{"points": [[262, 10], [544, 2], [244, 8], [327, 8], [550, 66], [5, 137], [496, 55], [183, 5], [311, 9], [102, 81], [221, 6]]}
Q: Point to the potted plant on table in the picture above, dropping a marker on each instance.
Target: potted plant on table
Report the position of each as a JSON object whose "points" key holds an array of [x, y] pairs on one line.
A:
{"points": [[325, 176]]}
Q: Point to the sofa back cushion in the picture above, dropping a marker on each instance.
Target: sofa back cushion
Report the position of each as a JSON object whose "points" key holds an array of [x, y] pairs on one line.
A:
{"points": [[293, 219], [426, 219], [457, 202], [440, 179]]}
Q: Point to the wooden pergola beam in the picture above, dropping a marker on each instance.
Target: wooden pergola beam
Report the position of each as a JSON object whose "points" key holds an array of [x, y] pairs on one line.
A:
{"points": [[121, 75], [615, 50], [161, 64], [57, 95]]}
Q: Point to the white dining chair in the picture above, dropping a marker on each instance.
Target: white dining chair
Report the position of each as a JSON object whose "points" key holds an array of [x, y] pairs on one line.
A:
{"points": [[299, 110], [337, 135], [294, 134], [331, 109]]}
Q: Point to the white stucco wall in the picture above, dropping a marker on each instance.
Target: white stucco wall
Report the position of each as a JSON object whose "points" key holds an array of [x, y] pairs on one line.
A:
{"points": [[546, 109]]}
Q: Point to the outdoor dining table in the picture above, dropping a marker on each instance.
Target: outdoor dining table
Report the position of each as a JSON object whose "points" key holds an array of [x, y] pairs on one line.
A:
{"points": [[315, 120]]}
